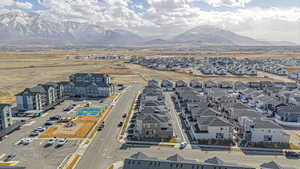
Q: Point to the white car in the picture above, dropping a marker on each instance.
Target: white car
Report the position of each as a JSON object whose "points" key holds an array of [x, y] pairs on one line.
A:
{"points": [[40, 129], [51, 141], [61, 142], [25, 141], [183, 145]]}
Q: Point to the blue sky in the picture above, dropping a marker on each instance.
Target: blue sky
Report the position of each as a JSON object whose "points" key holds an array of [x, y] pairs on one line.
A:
{"points": [[262, 19]]}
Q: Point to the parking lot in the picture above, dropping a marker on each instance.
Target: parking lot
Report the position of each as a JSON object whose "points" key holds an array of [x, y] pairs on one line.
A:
{"points": [[31, 151]]}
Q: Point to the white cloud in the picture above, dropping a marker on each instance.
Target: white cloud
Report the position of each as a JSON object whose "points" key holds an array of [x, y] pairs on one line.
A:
{"points": [[228, 3], [167, 4], [4, 3], [13, 3], [23, 5]]}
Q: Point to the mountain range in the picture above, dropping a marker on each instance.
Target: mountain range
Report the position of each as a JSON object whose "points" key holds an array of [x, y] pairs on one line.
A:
{"points": [[20, 28]]}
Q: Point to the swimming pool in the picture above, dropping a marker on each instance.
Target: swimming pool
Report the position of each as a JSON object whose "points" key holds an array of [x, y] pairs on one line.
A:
{"points": [[89, 112]]}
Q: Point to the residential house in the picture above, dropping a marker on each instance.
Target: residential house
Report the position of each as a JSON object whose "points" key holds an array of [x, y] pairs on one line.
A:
{"points": [[180, 83], [167, 85], [210, 84], [142, 161], [211, 128], [288, 115], [197, 85]]}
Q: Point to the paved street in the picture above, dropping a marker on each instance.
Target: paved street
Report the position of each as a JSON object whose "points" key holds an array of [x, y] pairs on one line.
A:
{"points": [[179, 130], [106, 150], [102, 151]]}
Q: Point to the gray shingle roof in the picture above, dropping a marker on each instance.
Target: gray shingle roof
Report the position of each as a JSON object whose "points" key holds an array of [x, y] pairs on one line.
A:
{"points": [[175, 157], [212, 121], [2, 106], [272, 165], [265, 124]]}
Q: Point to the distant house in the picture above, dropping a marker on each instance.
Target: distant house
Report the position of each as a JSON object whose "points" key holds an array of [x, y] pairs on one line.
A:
{"points": [[210, 84], [153, 83], [288, 115], [196, 84], [167, 85], [225, 85], [180, 83]]}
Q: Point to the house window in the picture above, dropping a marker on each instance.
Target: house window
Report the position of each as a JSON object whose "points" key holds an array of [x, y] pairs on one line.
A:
{"points": [[267, 138], [164, 128], [219, 135]]}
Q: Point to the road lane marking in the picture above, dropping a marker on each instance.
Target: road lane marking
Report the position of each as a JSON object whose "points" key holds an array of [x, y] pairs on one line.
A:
{"points": [[2, 156], [45, 114], [30, 123]]}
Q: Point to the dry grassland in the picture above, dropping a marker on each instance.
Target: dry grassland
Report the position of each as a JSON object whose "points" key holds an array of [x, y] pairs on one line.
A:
{"points": [[20, 70]]}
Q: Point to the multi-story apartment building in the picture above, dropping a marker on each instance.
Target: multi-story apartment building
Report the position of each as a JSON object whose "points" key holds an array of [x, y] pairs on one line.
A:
{"points": [[90, 85], [32, 99], [5, 116]]}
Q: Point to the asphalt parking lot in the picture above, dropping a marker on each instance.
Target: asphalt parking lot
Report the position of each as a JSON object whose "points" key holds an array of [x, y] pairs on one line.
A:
{"points": [[36, 155]]}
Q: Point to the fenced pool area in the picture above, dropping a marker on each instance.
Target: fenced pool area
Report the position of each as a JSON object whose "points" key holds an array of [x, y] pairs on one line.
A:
{"points": [[89, 112]]}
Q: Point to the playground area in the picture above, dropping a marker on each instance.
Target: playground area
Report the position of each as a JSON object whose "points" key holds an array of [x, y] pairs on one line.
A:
{"points": [[79, 127]]}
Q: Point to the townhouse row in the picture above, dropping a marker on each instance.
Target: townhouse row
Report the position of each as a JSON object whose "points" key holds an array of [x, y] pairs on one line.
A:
{"points": [[152, 120]]}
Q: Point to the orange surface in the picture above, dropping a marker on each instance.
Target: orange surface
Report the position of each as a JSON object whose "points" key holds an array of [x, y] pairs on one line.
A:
{"points": [[74, 161], [292, 68], [5, 164]]}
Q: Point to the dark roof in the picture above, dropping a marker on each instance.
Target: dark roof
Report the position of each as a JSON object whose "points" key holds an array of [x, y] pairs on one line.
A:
{"points": [[215, 160], [2, 106], [140, 156], [290, 108], [176, 157], [265, 124], [36, 89], [212, 121], [272, 165]]}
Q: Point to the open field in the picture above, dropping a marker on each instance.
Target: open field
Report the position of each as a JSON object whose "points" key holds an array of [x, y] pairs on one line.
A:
{"points": [[24, 69], [20, 70]]}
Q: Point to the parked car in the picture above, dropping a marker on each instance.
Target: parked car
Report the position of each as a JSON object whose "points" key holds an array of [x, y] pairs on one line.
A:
{"points": [[292, 154], [124, 115], [34, 133], [9, 157], [49, 123], [25, 141], [40, 129], [183, 145], [120, 124], [61, 142], [55, 118], [51, 141]]}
